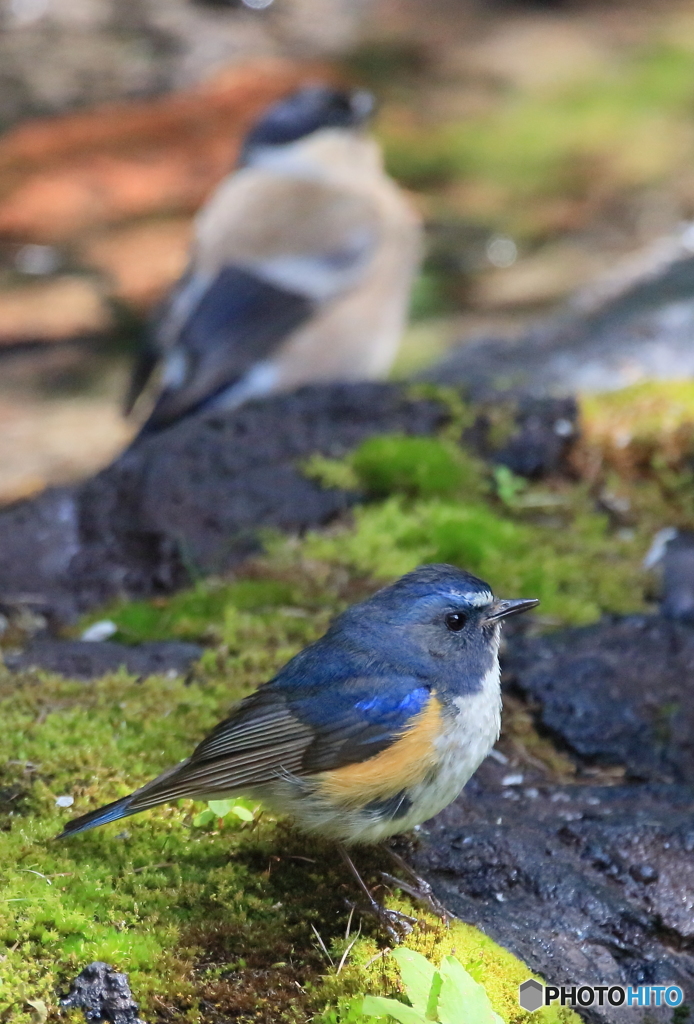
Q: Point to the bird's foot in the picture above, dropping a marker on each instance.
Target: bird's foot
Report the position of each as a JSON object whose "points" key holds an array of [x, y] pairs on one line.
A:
{"points": [[417, 887], [395, 924], [421, 892]]}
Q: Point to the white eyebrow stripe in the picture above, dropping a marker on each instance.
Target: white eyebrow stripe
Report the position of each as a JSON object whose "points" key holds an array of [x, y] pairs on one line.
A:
{"points": [[476, 599]]}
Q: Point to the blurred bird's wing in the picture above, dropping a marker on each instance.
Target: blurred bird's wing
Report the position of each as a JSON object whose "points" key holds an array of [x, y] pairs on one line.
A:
{"points": [[238, 321], [268, 252], [270, 736], [152, 345]]}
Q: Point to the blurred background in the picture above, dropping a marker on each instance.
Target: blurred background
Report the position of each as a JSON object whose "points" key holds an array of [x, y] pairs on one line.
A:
{"points": [[545, 143]]}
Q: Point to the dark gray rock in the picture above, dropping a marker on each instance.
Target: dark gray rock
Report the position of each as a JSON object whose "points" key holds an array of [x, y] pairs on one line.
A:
{"points": [[78, 659], [546, 430], [103, 995], [617, 693], [588, 885], [192, 499]]}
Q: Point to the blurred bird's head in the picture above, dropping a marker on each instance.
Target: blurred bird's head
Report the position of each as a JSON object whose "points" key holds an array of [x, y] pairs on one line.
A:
{"points": [[310, 109]]}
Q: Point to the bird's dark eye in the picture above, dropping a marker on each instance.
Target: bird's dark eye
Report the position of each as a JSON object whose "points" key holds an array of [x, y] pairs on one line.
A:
{"points": [[455, 621]]}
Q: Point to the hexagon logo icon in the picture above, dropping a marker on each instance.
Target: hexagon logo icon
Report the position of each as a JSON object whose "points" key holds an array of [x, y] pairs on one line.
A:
{"points": [[530, 995]]}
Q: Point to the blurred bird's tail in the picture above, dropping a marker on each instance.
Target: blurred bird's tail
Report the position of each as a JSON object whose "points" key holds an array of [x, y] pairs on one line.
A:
{"points": [[111, 812]]}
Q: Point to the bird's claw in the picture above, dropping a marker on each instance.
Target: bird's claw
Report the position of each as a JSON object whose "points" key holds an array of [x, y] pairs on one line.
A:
{"points": [[421, 891], [396, 924]]}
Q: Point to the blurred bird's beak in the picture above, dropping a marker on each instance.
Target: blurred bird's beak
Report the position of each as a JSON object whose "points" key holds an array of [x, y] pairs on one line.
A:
{"points": [[502, 609]]}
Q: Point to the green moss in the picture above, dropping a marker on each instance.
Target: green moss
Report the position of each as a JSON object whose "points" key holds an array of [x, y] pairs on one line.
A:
{"points": [[192, 614], [577, 573], [417, 466], [331, 472], [641, 428], [440, 507], [498, 970]]}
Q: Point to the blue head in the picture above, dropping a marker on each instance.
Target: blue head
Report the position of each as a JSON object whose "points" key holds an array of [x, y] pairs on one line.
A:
{"points": [[439, 623], [306, 111]]}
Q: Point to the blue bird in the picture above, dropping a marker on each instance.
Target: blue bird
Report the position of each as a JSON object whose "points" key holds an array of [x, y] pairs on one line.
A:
{"points": [[369, 731], [300, 270]]}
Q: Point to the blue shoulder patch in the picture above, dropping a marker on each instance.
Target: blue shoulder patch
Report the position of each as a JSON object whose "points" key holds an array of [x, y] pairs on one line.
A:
{"points": [[356, 706]]}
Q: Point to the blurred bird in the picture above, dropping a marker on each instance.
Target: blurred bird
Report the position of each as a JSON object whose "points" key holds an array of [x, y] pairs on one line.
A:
{"points": [[301, 266], [367, 732]]}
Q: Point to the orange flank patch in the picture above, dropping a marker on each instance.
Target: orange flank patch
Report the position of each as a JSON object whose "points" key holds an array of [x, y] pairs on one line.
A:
{"points": [[407, 762]]}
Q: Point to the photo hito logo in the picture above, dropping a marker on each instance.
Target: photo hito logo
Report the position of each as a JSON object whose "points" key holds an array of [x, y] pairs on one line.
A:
{"points": [[532, 995]]}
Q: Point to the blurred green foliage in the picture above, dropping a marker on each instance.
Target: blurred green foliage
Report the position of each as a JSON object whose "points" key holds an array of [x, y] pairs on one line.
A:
{"points": [[630, 125], [533, 163]]}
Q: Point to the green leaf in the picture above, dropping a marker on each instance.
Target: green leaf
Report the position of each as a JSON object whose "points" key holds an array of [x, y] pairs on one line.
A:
{"points": [[204, 818], [462, 999], [475, 969], [432, 1012], [220, 807], [40, 1010], [242, 812], [380, 1006], [417, 975]]}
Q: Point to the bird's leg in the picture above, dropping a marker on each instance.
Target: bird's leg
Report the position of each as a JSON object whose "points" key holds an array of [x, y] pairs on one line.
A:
{"points": [[417, 887], [395, 923]]}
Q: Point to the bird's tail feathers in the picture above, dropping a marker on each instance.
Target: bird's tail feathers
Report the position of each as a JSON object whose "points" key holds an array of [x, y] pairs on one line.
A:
{"points": [[111, 812], [150, 795]]}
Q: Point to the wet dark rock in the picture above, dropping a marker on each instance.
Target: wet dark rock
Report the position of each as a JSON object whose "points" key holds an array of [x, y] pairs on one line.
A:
{"points": [[545, 431], [192, 499], [616, 693], [103, 995], [79, 659], [587, 884], [561, 361]]}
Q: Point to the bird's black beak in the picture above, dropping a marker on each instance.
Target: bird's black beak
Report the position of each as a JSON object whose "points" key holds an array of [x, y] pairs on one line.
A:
{"points": [[502, 609]]}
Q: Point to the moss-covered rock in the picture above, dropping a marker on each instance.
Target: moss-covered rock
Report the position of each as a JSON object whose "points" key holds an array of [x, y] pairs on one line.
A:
{"points": [[246, 919]]}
